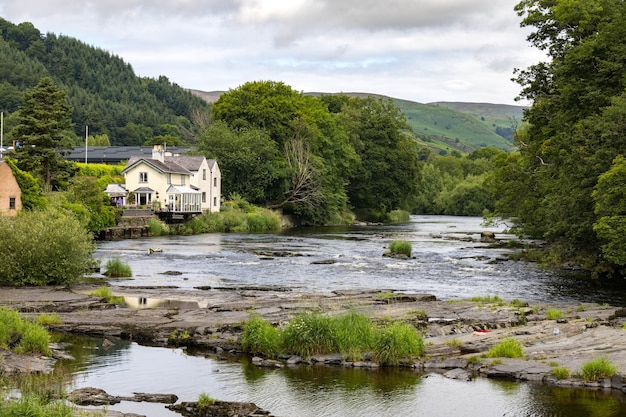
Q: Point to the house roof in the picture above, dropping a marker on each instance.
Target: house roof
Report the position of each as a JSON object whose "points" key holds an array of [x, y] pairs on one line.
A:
{"points": [[115, 154], [116, 190], [181, 189], [166, 167], [192, 163]]}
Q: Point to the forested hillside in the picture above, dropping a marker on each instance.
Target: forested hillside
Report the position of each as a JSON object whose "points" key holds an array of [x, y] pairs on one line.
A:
{"points": [[103, 90]]}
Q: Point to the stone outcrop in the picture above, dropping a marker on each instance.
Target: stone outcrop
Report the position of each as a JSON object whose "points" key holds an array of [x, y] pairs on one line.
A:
{"points": [[219, 409]]}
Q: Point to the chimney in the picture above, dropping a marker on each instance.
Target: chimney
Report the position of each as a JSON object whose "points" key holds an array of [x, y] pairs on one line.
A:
{"points": [[158, 153]]}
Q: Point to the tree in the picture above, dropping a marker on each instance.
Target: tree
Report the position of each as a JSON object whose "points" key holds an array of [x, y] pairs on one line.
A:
{"points": [[573, 130], [250, 162], [43, 130]]}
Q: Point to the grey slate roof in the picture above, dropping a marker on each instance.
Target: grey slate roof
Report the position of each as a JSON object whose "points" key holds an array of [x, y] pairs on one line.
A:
{"points": [[163, 167], [115, 154]]}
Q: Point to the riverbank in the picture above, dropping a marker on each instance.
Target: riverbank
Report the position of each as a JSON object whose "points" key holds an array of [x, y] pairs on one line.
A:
{"points": [[457, 333]]}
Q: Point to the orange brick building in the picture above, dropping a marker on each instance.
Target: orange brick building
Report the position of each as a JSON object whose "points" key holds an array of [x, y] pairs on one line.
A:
{"points": [[10, 193]]}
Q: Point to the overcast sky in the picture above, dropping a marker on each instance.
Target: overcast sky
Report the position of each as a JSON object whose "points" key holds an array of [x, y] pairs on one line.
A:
{"points": [[420, 50]]}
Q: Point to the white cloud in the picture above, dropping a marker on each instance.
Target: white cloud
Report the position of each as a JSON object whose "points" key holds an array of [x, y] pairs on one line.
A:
{"points": [[426, 50]]}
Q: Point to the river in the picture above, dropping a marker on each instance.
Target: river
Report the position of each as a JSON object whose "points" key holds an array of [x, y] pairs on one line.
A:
{"points": [[448, 261]]}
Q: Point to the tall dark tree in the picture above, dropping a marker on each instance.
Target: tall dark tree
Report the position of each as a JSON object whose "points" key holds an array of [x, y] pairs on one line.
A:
{"points": [[44, 130], [567, 144]]}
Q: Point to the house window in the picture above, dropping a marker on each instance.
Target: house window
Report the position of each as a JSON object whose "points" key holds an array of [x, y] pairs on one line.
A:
{"points": [[204, 174], [169, 177], [204, 197], [11, 203], [214, 182], [215, 201], [143, 177], [182, 180]]}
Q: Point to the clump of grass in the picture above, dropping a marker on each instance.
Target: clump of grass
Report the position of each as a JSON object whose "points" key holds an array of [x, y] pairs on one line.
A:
{"points": [[488, 299], [36, 406], [260, 338], [46, 319], [204, 400], [309, 334], [598, 368], [398, 216], [453, 343], [355, 335], [554, 314], [518, 303], [397, 341], [560, 372], [507, 348], [473, 360], [400, 247], [106, 293], [22, 336], [116, 268]]}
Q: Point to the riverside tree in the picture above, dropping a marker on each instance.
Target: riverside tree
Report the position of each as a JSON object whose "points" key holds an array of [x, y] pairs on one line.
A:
{"points": [[44, 130], [575, 128]]}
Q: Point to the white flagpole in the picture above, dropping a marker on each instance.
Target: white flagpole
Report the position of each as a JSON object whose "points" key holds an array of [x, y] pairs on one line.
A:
{"points": [[86, 140]]}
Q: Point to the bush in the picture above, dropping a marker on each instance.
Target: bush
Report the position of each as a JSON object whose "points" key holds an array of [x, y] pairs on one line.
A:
{"points": [[398, 341], [46, 319], [260, 338], [398, 216], [560, 373], [598, 368], [36, 406], [508, 348], [116, 268], [20, 335], [400, 247], [43, 247], [158, 228], [204, 400], [554, 314]]}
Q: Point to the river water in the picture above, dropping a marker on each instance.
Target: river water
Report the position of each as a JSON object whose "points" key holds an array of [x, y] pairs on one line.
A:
{"points": [[445, 263]]}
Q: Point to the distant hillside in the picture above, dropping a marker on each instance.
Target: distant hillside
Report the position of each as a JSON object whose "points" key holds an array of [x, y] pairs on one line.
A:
{"points": [[446, 126], [103, 90]]}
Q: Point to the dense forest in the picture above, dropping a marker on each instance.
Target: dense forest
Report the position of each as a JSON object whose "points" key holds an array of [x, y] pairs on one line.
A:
{"points": [[103, 90]]}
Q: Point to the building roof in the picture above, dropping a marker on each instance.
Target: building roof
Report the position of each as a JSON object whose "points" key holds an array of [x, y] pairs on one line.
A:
{"points": [[116, 190], [192, 163], [115, 154], [167, 167]]}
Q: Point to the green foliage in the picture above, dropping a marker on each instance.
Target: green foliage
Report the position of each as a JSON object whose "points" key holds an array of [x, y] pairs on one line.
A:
{"points": [[553, 314], [116, 268], [398, 216], [22, 336], [31, 405], [309, 334], [560, 372], [487, 299], [573, 134], [236, 216], [31, 191], [400, 247], [398, 341], [260, 338], [46, 319], [43, 247], [98, 170], [89, 201], [44, 128], [158, 227], [204, 400], [355, 334], [106, 293], [507, 348], [598, 368]]}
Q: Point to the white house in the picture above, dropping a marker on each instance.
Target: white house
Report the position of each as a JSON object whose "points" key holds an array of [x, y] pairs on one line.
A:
{"points": [[179, 184]]}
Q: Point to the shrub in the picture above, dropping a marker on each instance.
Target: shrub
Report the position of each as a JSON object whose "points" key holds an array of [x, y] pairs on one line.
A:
{"points": [[398, 341], [158, 228], [400, 247], [309, 334], [116, 268], [398, 216], [21, 335], [43, 247], [260, 338], [36, 406], [507, 348], [598, 368]]}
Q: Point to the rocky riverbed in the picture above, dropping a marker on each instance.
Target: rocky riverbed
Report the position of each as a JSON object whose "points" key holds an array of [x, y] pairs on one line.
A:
{"points": [[457, 333]]}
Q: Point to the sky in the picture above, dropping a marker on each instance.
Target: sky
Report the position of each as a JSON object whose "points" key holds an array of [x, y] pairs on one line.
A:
{"points": [[418, 50]]}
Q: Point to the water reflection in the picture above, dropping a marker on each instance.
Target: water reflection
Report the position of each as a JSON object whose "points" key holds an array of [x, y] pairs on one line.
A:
{"points": [[319, 391]]}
